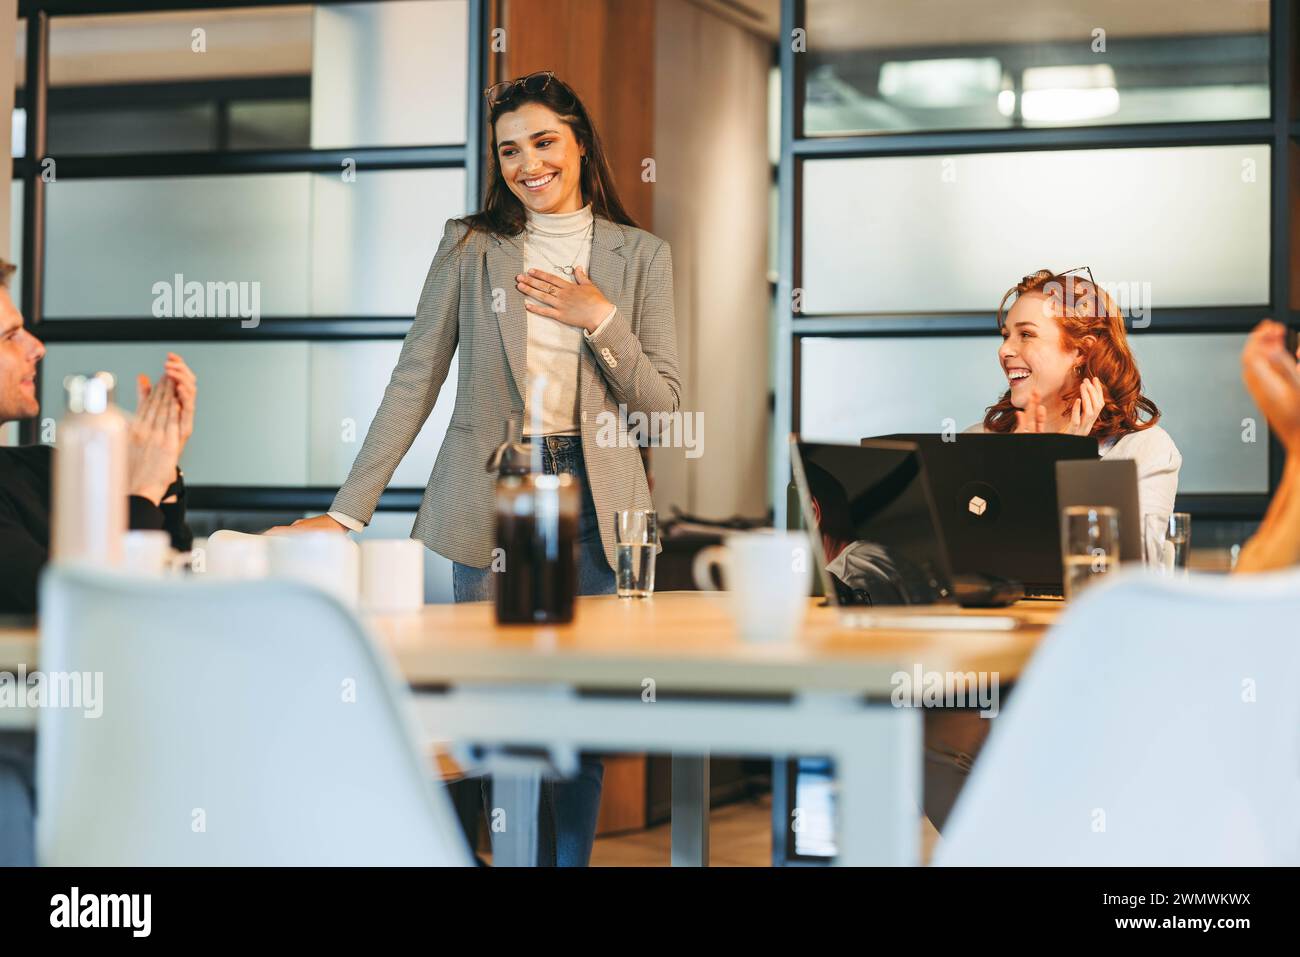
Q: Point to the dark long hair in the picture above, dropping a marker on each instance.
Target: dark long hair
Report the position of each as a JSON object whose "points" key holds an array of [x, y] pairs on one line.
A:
{"points": [[502, 213]]}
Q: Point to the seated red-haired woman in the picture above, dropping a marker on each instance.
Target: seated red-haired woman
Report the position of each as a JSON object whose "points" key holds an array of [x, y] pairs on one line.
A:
{"points": [[1069, 369]]}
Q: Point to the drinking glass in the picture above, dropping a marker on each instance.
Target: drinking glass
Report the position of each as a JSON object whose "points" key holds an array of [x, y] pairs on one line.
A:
{"points": [[636, 539], [1089, 545], [1167, 541]]}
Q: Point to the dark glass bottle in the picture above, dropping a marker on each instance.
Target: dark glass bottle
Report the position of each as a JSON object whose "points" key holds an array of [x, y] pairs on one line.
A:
{"points": [[535, 572]]}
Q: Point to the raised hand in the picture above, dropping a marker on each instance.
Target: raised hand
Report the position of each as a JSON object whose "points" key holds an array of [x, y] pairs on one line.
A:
{"points": [[1083, 413], [154, 442], [1271, 375], [179, 377], [182, 378], [1086, 408], [1033, 418]]}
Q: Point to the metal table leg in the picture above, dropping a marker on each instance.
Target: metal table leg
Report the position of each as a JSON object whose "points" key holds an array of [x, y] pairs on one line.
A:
{"points": [[878, 814], [512, 819], [690, 810]]}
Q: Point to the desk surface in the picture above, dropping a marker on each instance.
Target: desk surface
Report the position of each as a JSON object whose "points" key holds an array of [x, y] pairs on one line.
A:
{"points": [[685, 641]]}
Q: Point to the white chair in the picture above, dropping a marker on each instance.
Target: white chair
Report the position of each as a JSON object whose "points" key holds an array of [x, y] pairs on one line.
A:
{"points": [[243, 723], [1158, 724]]}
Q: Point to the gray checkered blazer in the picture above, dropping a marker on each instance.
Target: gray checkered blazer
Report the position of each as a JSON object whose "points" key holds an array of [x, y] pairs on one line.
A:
{"points": [[633, 362]]}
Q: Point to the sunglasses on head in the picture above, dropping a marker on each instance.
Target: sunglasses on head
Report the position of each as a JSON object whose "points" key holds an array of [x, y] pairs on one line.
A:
{"points": [[532, 83], [1080, 271]]}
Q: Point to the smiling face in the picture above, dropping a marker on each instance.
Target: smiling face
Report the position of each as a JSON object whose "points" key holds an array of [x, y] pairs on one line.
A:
{"points": [[19, 353], [1034, 355], [540, 159]]}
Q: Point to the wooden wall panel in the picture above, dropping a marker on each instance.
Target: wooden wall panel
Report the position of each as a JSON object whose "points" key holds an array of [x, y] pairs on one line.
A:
{"points": [[604, 49]]}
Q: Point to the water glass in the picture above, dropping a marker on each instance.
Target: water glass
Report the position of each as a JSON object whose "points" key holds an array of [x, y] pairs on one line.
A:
{"points": [[636, 539], [1167, 541], [1089, 545]]}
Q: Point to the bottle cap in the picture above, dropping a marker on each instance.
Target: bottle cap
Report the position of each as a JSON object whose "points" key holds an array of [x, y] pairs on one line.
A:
{"points": [[89, 393]]}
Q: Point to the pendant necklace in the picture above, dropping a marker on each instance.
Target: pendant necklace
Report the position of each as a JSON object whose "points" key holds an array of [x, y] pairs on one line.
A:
{"points": [[568, 270]]}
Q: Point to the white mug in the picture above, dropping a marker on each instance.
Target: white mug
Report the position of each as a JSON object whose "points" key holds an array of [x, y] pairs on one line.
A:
{"points": [[392, 575], [328, 560], [146, 553], [229, 554], [767, 575]]}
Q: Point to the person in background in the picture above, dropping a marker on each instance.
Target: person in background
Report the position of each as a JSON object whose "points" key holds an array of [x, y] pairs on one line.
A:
{"points": [[1273, 379], [157, 435], [163, 422], [1069, 370], [551, 279], [862, 572]]}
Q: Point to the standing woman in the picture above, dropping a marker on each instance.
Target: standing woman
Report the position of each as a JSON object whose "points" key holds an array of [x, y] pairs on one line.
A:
{"points": [[551, 278]]}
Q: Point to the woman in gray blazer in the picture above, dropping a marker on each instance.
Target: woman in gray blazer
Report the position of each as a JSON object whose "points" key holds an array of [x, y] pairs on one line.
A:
{"points": [[551, 278]]}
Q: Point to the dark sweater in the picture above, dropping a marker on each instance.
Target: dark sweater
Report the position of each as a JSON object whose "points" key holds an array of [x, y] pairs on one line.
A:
{"points": [[25, 522]]}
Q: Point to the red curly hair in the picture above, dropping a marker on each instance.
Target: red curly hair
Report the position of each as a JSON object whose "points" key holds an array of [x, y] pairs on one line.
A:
{"points": [[1092, 323]]}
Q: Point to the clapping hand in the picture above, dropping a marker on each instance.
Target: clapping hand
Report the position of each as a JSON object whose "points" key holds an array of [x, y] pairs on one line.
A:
{"points": [[154, 442], [1083, 413], [1271, 375]]}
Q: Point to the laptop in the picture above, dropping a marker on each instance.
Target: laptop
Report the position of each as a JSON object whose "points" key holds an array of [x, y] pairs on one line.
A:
{"points": [[1113, 483], [874, 536], [996, 501]]}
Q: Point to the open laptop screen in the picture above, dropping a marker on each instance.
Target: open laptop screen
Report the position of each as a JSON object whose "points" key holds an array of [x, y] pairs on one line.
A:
{"points": [[872, 521]]}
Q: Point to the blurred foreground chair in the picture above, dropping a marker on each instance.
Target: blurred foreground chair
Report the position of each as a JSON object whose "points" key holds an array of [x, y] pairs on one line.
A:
{"points": [[1158, 724], [243, 723]]}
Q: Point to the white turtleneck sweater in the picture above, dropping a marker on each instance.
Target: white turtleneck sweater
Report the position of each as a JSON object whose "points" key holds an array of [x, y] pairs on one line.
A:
{"points": [[551, 242]]}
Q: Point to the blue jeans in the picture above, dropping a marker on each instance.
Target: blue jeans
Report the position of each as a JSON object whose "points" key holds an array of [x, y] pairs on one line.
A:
{"points": [[17, 799], [568, 807]]}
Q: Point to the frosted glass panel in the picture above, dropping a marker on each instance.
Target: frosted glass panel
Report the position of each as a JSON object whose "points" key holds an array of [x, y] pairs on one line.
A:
{"points": [[110, 241], [858, 387], [373, 239], [389, 74], [853, 388], [954, 233], [989, 64], [347, 384], [1196, 381], [251, 422]]}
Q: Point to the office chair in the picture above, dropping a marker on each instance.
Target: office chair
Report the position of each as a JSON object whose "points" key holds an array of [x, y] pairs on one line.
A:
{"points": [[243, 723], [1158, 724]]}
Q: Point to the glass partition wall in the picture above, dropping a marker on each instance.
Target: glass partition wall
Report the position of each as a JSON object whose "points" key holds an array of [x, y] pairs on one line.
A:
{"points": [[933, 153], [258, 187], [295, 164]]}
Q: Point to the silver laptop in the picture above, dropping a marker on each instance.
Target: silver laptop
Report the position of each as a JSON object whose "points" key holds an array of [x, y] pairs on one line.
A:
{"points": [[1113, 484]]}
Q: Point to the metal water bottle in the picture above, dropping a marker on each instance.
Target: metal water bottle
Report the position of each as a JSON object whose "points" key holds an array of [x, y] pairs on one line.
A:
{"points": [[89, 507]]}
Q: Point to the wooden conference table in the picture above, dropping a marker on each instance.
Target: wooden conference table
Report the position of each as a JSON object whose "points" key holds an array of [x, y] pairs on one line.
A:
{"points": [[670, 675]]}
